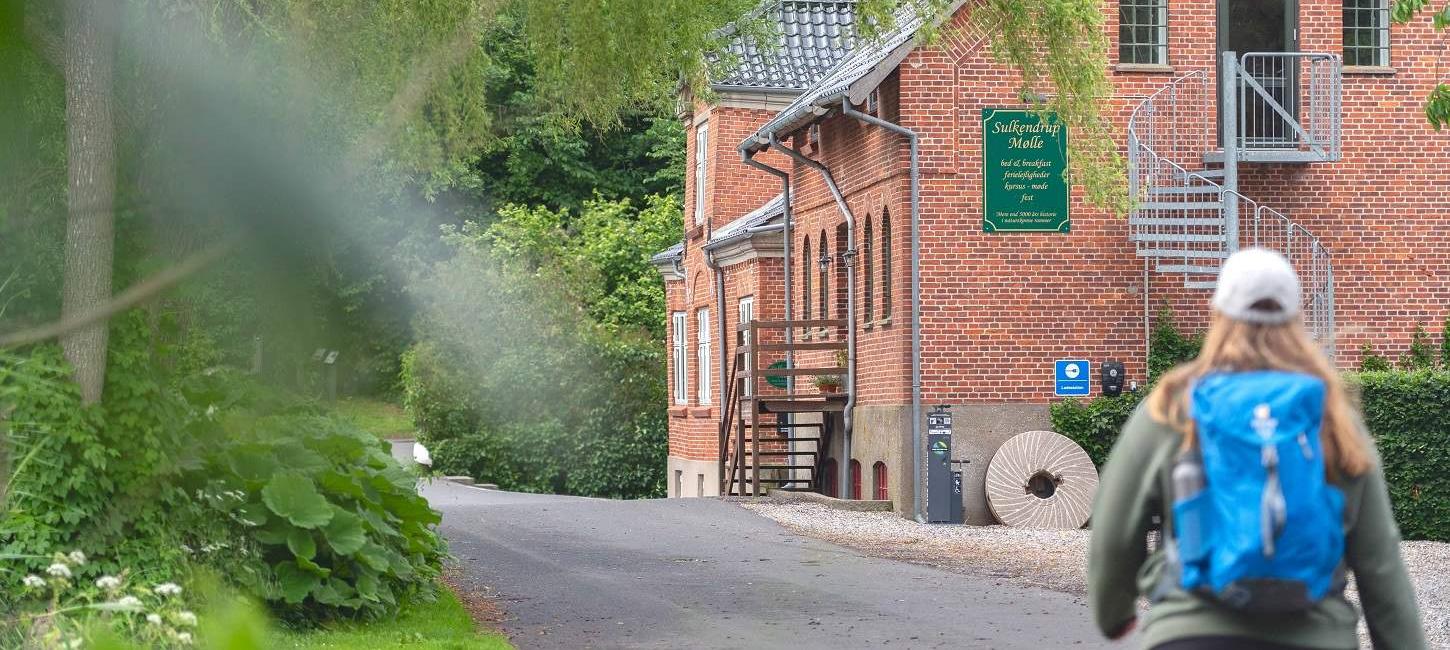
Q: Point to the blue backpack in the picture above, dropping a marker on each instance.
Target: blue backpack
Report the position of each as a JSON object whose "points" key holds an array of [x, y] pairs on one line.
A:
{"points": [[1256, 526]]}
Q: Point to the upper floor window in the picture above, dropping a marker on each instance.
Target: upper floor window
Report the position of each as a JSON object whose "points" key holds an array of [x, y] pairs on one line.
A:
{"points": [[679, 377], [1367, 32], [806, 263], [824, 307], [868, 261], [885, 264], [702, 148], [1143, 32], [702, 355]]}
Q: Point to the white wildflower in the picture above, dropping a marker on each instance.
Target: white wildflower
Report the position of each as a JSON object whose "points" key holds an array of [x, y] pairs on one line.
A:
{"points": [[74, 643], [167, 589], [34, 581], [184, 638], [109, 583], [186, 619], [77, 558], [188, 549], [211, 410], [129, 602], [58, 570], [154, 619]]}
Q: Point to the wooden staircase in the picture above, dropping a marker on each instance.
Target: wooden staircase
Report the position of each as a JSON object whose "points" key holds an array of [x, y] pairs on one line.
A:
{"points": [[771, 437]]}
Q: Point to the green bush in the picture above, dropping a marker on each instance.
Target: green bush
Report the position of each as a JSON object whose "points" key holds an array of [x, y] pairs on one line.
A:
{"points": [[336, 525], [1369, 361], [1405, 412], [167, 472], [1095, 424]]}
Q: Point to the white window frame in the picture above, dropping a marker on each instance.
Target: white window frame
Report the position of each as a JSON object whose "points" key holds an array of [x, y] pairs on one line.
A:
{"points": [[702, 162], [681, 375], [1381, 29], [702, 355], [747, 314]]}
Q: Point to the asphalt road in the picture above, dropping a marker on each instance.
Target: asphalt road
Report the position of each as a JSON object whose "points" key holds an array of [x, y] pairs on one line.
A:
{"points": [[701, 573]]}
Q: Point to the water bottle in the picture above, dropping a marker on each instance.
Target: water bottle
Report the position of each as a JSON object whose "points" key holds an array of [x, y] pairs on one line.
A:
{"points": [[1188, 482]]}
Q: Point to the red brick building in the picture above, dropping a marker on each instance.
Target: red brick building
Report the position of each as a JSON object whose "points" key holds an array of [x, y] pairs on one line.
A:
{"points": [[1327, 158]]}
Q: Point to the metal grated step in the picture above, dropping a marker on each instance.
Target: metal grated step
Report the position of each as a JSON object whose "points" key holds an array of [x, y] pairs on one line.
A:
{"points": [[1182, 253], [1170, 190], [1200, 284], [1180, 205], [1188, 268], [1176, 237], [1217, 222]]}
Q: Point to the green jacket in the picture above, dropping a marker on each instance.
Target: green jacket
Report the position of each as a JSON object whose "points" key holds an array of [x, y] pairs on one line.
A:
{"points": [[1134, 487]]}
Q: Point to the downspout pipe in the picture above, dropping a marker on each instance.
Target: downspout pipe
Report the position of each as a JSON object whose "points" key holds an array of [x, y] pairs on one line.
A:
{"points": [[911, 138], [747, 156], [849, 258]]}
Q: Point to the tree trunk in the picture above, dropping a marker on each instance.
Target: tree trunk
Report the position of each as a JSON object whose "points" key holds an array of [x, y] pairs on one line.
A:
{"points": [[90, 146]]}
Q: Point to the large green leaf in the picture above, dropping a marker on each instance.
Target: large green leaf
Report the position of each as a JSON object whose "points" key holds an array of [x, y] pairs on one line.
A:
{"points": [[344, 533], [295, 497], [300, 542], [295, 582]]}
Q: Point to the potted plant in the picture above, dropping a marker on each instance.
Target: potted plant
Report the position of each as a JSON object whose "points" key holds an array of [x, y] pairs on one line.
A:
{"points": [[828, 384], [831, 384]]}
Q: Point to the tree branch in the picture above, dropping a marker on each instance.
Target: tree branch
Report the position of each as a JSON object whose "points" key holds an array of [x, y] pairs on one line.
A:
{"points": [[134, 295]]}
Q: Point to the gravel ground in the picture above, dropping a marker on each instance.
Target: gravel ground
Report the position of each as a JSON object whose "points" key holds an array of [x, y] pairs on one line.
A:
{"points": [[1055, 559]]}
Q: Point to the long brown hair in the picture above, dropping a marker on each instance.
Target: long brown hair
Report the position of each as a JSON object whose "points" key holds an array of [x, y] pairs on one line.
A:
{"points": [[1232, 345]]}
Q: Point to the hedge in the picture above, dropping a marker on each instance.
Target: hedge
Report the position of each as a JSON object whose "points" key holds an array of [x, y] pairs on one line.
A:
{"points": [[1404, 411]]}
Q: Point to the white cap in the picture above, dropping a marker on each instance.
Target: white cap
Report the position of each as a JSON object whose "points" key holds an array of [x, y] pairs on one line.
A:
{"points": [[1252, 277]]}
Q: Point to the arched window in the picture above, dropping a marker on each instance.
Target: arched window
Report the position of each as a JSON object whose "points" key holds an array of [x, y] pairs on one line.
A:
{"points": [[806, 263], [885, 264], [828, 477], [868, 270], [824, 264], [855, 479], [878, 477]]}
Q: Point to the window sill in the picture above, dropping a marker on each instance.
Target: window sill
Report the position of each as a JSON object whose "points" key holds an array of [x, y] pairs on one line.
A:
{"points": [[696, 232], [1155, 68], [868, 326], [702, 412], [678, 411], [1370, 70], [884, 322]]}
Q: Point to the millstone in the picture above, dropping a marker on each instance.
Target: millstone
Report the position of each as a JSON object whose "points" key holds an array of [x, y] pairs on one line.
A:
{"points": [[1040, 479]]}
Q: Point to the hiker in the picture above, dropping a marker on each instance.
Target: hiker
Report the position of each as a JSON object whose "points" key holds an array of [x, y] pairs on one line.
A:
{"points": [[1267, 488]]}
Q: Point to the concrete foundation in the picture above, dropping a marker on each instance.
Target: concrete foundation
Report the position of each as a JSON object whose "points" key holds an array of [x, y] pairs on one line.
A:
{"points": [[693, 478]]}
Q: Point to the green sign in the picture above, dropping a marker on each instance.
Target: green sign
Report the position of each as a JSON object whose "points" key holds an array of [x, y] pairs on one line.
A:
{"points": [[1024, 165], [776, 380]]}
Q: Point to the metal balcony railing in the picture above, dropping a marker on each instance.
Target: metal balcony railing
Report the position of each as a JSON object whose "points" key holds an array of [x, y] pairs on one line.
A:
{"points": [[1287, 105]]}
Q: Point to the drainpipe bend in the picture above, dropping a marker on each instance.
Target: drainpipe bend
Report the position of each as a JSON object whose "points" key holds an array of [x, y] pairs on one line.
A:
{"points": [[849, 258], [911, 138]]}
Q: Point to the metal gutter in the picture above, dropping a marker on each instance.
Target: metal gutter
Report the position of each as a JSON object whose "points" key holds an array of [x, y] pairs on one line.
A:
{"points": [[850, 261], [911, 137], [742, 235]]}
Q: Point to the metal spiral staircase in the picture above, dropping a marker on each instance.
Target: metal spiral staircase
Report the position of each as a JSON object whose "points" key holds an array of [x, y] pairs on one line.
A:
{"points": [[1278, 107]]}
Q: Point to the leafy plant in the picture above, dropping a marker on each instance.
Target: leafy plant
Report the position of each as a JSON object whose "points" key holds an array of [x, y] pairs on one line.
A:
{"points": [[337, 523], [1418, 356], [1405, 413], [72, 611], [1369, 361], [1168, 346]]}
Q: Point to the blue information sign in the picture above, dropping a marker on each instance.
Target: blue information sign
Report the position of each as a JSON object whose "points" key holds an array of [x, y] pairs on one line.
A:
{"points": [[1071, 378]]}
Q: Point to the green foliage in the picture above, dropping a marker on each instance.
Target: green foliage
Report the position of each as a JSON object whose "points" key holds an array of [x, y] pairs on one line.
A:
{"points": [[1445, 344], [1369, 361], [565, 391], [308, 513], [334, 524], [1060, 48], [1419, 356], [443, 624], [1437, 104], [1168, 346], [1405, 413], [1096, 423]]}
